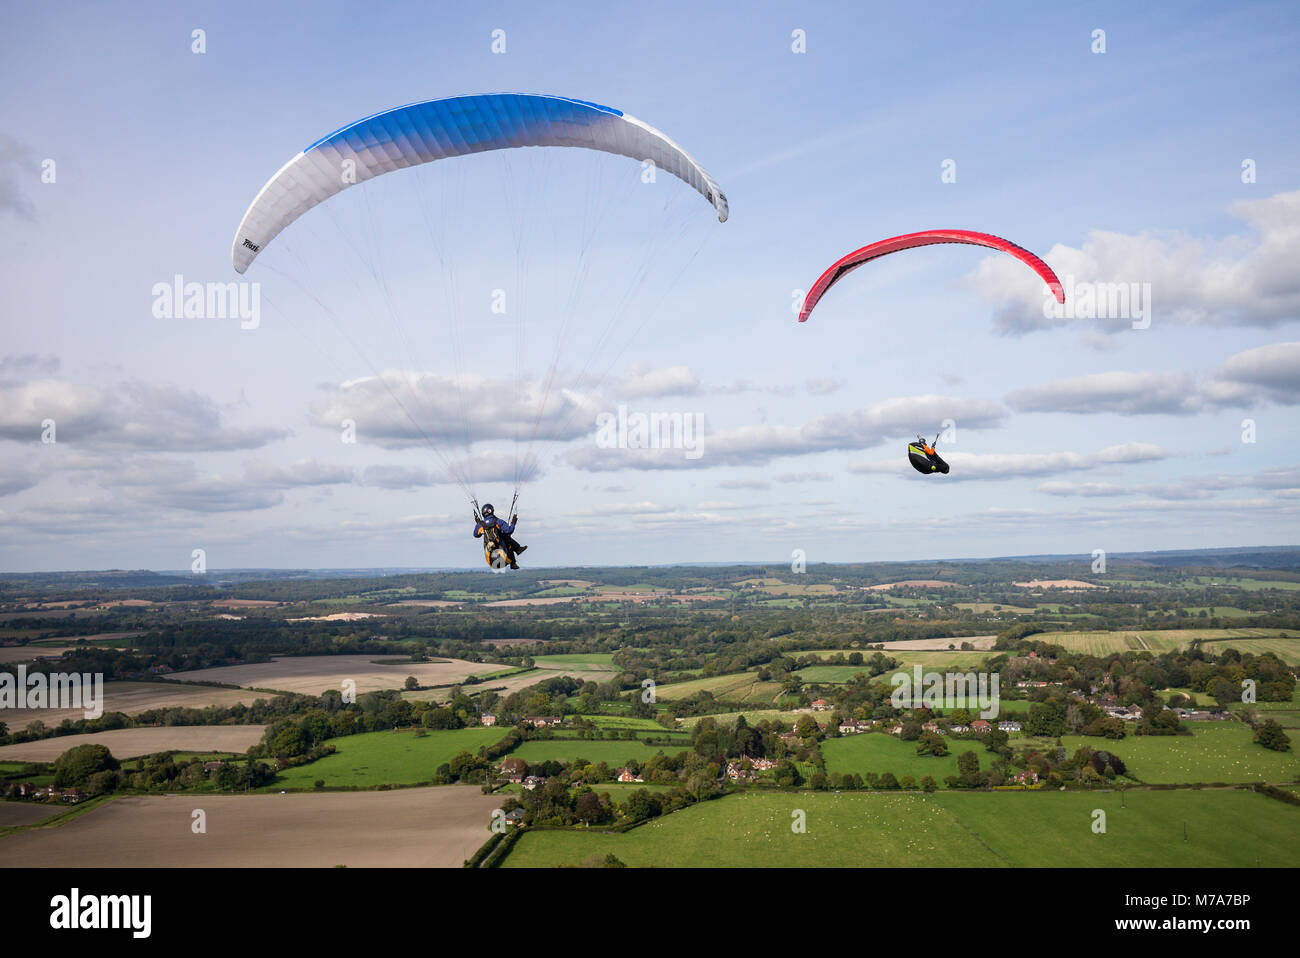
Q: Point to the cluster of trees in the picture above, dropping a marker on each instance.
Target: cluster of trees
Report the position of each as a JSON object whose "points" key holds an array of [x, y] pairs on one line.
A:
{"points": [[303, 733], [94, 770]]}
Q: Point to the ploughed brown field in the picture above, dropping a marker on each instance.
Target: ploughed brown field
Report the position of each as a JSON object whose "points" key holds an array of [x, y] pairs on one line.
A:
{"points": [[1057, 584], [314, 674], [25, 813], [409, 827], [131, 742], [131, 698], [12, 654]]}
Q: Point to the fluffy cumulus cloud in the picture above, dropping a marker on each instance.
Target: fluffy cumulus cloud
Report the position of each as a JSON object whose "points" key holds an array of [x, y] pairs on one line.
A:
{"points": [[1249, 279], [18, 167], [1280, 481], [1264, 374], [128, 416], [400, 409], [758, 445], [640, 382], [969, 466]]}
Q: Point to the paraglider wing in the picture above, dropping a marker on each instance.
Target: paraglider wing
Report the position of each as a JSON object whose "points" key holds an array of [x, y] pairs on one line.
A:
{"points": [[456, 126], [843, 267]]}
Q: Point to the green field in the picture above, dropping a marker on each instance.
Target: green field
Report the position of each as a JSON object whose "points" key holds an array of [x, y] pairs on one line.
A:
{"points": [[626, 721], [1214, 752], [878, 752], [1250, 585], [1104, 643], [740, 687], [614, 753], [577, 661], [937, 661], [752, 716], [386, 758], [856, 829], [1286, 649]]}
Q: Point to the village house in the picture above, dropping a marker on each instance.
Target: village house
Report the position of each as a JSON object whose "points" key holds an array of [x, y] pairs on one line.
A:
{"points": [[212, 766], [738, 774], [541, 721], [763, 764], [487, 718], [533, 781], [1009, 726], [1026, 777], [70, 795], [515, 817], [820, 705], [627, 775], [930, 727], [979, 725], [960, 728], [512, 770]]}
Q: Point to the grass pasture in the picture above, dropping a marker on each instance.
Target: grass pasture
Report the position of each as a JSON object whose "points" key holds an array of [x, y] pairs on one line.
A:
{"points": [[386, 758], [1214, 752], [594, 751], [878, 752], [739, 687], [1107, 643], [577, 661], [1226, 828]]}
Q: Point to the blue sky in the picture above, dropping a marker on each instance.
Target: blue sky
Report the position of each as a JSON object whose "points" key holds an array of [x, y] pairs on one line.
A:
{"points": [[1122, 166]]}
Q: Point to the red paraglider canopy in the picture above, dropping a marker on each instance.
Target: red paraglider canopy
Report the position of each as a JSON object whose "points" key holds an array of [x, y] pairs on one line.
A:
{"points": [[925, 238]]}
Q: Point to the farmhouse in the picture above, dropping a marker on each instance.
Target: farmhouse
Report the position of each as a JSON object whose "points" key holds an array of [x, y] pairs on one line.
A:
{"points": [[533, 781], [541, 721], [512, 769], [738, 774], [50, 793], [515, 817], [979, 725], [820, 705], [488, 718], [627, 775]]}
